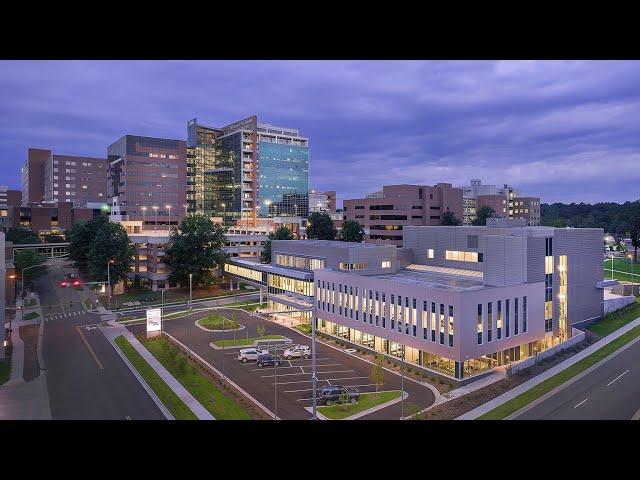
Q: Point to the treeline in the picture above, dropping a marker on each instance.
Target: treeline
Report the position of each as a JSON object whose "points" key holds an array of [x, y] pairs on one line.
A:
{"points": [[615, 218]]}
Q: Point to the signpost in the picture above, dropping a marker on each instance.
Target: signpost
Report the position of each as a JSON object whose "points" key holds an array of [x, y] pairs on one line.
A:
{"points": [[154, 322]]}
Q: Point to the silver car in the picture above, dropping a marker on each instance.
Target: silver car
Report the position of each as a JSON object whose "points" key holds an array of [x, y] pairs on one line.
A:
{"points": [[297, 351], [249, 354]]}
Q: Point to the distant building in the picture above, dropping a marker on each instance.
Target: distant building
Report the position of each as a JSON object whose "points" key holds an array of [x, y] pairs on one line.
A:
{"points": [[51, 218], [322, 201], [506, 202], [48, 177], [3, 305], [148, 180], [384, 214]]}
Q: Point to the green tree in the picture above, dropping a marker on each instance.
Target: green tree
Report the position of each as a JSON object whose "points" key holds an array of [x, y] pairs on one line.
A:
{"points": [[321, 227], [195, 247], [29, 258], [21, 236], [377, 372], [110, 246], [482, 214], [261, 329], [82, 236], [282, 233], [352, 231], [448, 218], [634, 234]]}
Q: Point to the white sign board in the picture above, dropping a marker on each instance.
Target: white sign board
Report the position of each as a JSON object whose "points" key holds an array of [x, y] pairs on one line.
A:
{"points": [[154, 317]]}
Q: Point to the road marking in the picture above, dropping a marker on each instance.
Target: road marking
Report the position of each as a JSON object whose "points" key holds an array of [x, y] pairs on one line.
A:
{"points": [[307, 373], [320, 380], [623, 373], [89, 347], [580, 403]]}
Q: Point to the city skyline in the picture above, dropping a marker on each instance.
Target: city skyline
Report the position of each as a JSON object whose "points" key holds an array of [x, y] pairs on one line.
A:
{"points": [[551, 128]]}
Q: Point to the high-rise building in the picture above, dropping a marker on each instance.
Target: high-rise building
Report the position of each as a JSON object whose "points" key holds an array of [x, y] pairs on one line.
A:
{"points": [[322, 201], [148, 180], [48, 177], [240, 170], [506, 202], [384, 214]]}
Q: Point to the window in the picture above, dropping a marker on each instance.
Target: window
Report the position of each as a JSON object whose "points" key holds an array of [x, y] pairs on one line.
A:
{"points": [[451, 329], [430, 253], [460, 256], [506, 318], [353, 266], [499, 320], [479, 324], [472, 241], [490, 322], [441, 324], [524, 314], [515, 316], [386, 264]]}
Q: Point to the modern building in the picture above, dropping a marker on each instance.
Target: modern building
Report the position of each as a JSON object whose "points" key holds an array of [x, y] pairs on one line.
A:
{"points": [[51, 218], [48, 177], [240, 170], [291, 205], [385, 214], [3, 274], [322, 201], [506, 202], [8, 198], [147, 180], [456, 301]]}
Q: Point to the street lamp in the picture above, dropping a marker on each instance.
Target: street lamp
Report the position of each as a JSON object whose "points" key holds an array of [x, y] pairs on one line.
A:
{"points": [[632, 273], [109, 280], [224, 211], [155, 208], [22, 291], [144, 210], [190, 290], [169, 207]]}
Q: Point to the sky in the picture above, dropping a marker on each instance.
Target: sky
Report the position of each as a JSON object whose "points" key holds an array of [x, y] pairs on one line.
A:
{"points": [[567, 131]]}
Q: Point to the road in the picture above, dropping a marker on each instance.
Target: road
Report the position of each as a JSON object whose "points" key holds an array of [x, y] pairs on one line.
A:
{"points": [[610, 392], [293, 382], [86, 378]]}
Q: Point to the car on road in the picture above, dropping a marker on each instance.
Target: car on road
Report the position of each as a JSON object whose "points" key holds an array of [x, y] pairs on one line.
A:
{"points": [[268, 360], [297, 351], [249, 354], [337, 394]]}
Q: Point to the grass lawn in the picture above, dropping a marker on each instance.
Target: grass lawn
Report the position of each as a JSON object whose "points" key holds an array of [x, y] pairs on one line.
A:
{"points": [[304, 328], [367, 400], [31, 316], [199, 385], [88, 303], [245, 342], [248, 305], [30, 303], [622, 265], [173, 295], [549, 384], [170, 400], [5, 369], [615, 320], [217, 322]]}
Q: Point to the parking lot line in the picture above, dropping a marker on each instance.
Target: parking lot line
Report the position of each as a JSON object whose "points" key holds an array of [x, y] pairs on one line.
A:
{"points": [[309, 373]]}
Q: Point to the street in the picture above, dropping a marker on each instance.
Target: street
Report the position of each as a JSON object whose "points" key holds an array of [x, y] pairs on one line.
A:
{"points": [[86, 378], [610, 392]]}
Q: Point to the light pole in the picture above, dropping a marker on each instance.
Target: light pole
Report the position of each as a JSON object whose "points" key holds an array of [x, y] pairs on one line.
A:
{"points": [[314, 377], [224, 211], [190, 290], [632, 271], [169, 207], [22, 292], [402, 385], [155, 227], [144, 210], [109, 281], [161, 309]]}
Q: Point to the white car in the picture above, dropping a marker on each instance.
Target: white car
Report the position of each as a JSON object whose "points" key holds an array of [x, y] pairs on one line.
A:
{"points": [[297, 351], [249, 354]]}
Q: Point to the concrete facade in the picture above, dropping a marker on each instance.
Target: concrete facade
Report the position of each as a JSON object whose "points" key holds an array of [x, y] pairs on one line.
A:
{"points": [[384, 215]]}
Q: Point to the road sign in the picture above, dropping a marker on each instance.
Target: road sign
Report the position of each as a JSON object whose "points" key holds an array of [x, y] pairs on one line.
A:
{"points": [[154, 319]]}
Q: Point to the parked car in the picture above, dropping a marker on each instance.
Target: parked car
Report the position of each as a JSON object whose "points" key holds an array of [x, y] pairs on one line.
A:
{"points": [[267, 360], [249, 354], [297, 351], [337, 394]]}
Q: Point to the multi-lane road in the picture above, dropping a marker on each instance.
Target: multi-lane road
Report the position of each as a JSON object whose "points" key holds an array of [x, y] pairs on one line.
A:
{"points": [[86, 379], [609, 392]]}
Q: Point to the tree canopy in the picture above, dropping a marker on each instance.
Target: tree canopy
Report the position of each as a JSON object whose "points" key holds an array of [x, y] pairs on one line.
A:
{"points": [[448, 218], [110, 245], [614, 218], [195, 247], [29, 258], [481, 216], [321, 227], [21, 236], [282, 233], [81, 237], [352, 231]]}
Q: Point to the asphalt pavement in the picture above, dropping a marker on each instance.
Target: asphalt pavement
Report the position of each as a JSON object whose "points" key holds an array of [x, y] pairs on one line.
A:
{"points": [[86, 379]]}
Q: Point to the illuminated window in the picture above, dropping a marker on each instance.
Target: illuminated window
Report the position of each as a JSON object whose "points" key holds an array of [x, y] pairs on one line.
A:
{"points": [[386, 264], [460, 256], [430, 253]]}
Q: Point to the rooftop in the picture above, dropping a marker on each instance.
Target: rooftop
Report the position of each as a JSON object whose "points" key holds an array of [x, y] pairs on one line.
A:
{"points": [[334, 244], [446, 279]]}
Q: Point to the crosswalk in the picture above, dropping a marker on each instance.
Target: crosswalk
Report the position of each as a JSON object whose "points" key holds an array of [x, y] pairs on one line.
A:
{"points": [[62, 315]]}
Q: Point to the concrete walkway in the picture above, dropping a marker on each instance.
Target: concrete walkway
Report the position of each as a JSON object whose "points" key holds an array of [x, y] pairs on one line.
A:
{"points": [[505, 397], [114, 331]]}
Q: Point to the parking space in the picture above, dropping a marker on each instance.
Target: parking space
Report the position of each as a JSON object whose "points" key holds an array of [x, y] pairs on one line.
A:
{"points": [[288, 387]]}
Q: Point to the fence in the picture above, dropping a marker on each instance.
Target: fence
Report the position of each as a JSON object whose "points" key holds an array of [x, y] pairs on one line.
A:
{"points": [[578, 337]]}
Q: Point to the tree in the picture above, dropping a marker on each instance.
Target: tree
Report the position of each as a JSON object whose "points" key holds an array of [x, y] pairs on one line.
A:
{"points": [[29, 258], [81, 236], [634, 234], [261, 329], [352, 231], [321, 227], [481, 216], [377, 372], [282, 233], [21, 236], [448, 218], [195, 247], [110, 246]]}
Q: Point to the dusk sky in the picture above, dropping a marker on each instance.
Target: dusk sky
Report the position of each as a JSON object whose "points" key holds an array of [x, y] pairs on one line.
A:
{"points": [[567, 131]]}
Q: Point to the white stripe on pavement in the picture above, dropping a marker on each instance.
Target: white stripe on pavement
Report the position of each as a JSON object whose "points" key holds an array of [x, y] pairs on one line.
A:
{"points": [[623, 373], [580, 403]]}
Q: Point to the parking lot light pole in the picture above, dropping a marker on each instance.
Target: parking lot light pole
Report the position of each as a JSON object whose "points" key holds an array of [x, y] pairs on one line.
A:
{"points": [[314, 377], [161, 309], [190, 290]]}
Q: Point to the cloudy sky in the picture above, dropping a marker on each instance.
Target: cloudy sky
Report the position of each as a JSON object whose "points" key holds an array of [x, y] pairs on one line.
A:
{"points": [[568, 131]]}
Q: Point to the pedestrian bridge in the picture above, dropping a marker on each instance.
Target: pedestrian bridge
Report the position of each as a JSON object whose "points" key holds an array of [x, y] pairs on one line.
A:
{"points": [[50, 250]]}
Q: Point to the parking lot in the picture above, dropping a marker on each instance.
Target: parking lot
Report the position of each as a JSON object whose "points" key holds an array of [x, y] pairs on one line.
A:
{"points": [[287, 389]]}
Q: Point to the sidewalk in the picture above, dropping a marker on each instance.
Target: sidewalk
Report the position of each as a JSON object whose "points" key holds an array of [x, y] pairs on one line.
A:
{"points": [[505, 397], [115, 331]]}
